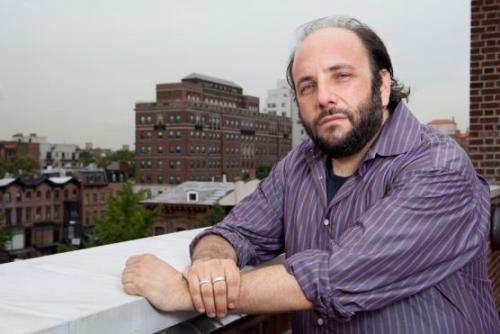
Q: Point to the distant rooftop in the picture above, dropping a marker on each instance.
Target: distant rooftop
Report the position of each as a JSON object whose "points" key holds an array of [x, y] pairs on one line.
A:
{"points": [[208, 193], [6, 181], [441, 122], [211, 79]]}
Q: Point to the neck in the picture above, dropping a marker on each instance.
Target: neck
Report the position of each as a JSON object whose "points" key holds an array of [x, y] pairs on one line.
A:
{"points": [[347, 166]]}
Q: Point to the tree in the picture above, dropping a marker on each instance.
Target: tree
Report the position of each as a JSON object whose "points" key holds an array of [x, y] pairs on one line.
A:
{"points": [[18, 165], [86, 158], [4, 234], [262, 171], [124, 219], [213, 215]]}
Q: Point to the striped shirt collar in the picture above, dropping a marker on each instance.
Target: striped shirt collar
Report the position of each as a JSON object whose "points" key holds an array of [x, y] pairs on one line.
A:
{"points": [[399, 134]]}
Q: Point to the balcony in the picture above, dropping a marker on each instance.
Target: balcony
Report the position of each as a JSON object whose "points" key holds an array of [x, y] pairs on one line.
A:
{"points": [[81, 292]]}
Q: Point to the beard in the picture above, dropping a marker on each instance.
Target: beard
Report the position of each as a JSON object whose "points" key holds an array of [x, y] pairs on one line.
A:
{"points": [[364, 127]]}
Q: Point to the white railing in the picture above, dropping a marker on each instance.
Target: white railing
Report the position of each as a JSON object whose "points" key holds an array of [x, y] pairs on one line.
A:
{"points": [[81, 292]]}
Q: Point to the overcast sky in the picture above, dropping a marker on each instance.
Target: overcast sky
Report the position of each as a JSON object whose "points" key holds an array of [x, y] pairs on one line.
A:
{"points": [[73, 70]]}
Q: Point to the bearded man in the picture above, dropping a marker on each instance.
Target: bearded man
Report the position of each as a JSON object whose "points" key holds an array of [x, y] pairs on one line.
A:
{"points": [[383, 221]]}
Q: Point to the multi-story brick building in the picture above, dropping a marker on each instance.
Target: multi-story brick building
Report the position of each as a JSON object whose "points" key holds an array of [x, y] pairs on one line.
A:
{"points": [[13, 148], [484, 140], [97, 185], [202, 128], [37, 211]]}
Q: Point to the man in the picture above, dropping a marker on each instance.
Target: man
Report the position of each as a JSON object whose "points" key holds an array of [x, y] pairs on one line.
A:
{"points": [[383, 221]]}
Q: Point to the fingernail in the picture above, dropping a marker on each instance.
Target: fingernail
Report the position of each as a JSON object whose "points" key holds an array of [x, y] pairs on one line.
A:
{"points": [[201, 310], [231, 305], [211, 315]]}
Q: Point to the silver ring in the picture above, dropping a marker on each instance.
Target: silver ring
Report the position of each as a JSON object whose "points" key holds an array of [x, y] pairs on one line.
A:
{"points": [[218, 279], [204, 281]]}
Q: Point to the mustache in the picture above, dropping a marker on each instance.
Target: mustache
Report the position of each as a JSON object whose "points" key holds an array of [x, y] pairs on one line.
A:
{"points": [[332, 111]]}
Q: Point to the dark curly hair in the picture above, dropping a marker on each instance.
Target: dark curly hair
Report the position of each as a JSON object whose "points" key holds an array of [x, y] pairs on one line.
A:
{"points": [[377, 52]]}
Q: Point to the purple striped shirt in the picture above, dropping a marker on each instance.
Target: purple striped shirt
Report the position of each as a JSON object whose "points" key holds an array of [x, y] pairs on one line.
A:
{"points": [[401, 248]]}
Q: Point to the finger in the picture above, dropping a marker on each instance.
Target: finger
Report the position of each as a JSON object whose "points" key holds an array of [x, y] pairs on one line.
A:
{"points": [[207, 294], [233, 287], [133, 259], [194, 291], [220, 294], [130, 289]]}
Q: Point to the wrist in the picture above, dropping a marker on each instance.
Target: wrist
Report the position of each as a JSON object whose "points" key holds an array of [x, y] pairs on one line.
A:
{"points": [[184, 297]]}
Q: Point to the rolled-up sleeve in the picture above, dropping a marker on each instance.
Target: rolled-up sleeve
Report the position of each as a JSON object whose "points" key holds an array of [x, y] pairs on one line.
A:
{"points": [[255, 226], [428, 226]]}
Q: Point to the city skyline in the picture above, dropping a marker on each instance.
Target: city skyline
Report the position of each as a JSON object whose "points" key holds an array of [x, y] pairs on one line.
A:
{"points": [[74, 73]]}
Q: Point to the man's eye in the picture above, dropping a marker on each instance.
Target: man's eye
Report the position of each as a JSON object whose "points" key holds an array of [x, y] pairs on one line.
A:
{"points": [[306, 88], [343, 76]]}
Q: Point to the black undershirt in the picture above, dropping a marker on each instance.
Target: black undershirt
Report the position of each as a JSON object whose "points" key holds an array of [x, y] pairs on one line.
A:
{"points": [[333, 182]]}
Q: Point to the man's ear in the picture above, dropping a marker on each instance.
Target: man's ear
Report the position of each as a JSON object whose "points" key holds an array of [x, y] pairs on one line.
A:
{"points": [[385, 87]]}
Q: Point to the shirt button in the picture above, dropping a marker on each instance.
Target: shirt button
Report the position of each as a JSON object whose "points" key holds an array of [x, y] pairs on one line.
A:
{"points": [[320, 322], [326, 222]]}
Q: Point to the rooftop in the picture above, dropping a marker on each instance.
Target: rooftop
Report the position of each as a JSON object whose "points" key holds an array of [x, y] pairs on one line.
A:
{"points": [[441, 122], [208, 193], [211, 79]]}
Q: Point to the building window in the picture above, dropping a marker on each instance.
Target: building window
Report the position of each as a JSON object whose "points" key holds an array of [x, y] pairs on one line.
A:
{"points": [[160, 179], [8, 216], [159, 164], [19, 216], [160, 134], [38, 195], [47, 195]]}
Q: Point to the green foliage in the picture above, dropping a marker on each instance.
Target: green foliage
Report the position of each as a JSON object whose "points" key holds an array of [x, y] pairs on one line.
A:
{"points": [[63, 248], [120, 156], [262, 171], [4, 237], [4, 234], [125, 219], [86, 158], [18, 165], [214, 215]]}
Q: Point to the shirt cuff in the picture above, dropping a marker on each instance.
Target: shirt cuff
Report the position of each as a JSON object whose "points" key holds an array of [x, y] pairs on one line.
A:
{"points": [[311, 270]]}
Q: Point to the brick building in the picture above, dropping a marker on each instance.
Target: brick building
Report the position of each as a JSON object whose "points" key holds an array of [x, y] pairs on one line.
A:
{"points": [[484, 140], [183, 205], [202, 128], [36, 212], [13, 148], [97, 185]]}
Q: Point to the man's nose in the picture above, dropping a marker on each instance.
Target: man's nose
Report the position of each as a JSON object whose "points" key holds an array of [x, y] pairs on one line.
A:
{"points": [[327, 96]]}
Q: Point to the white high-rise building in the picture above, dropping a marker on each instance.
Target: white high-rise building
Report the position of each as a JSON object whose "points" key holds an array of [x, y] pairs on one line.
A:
{"points": [[280, 100]]}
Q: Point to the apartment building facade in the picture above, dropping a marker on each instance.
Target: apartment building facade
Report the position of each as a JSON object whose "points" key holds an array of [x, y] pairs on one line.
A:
{"points": [[202, 128]]}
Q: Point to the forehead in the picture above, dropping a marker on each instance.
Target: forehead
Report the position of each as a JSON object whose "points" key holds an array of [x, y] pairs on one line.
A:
{"points": [[329, 46]]}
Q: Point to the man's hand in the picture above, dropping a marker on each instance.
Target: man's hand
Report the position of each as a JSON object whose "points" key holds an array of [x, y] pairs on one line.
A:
{"points": [[214, 285], [164, 287]]}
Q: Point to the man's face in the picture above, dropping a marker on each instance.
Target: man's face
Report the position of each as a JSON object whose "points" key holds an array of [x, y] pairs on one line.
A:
{"points": [[340, 108]]}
